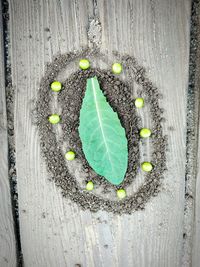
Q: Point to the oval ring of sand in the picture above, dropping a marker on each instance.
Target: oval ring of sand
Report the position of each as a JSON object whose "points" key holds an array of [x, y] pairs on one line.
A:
{"points": [[118, 95]]}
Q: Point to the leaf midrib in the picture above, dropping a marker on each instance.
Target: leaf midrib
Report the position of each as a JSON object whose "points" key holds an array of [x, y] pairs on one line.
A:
{"points": [[100, 121]]}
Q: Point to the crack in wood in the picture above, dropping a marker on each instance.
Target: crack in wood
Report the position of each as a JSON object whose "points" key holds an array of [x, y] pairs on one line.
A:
{"points": [[193, 112], [10, 130]]}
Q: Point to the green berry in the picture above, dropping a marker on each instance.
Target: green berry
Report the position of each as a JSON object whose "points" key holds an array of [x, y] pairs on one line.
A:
{"points": [[121, 193], [54, 118], [116, 68], [84, 64], [139, 102], [146, 166], [56, 86], [70, 155], [90, 186], [145, 132]]}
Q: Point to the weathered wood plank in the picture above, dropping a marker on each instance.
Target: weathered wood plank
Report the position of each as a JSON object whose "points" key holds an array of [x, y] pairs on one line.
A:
{"points": [[7, 236], [195, 89], [196, 236], [53, 230]]}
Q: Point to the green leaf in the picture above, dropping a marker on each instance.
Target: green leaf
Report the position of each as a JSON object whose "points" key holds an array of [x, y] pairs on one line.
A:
{"points": [[103, 138]]}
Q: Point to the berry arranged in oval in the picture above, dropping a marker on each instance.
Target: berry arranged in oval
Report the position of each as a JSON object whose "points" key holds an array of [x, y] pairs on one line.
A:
{"points": [[54, 119], [121, 193], [84, 64], [70, 155], [56, 86], [117, 68], [146, 166], [89, 186], [145, 132], [139, 102]]}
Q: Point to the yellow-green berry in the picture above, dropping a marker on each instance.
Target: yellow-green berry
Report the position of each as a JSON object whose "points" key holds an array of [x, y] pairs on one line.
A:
{"points": [[84, 64], [116, 68], [70, 155], [56, 86], [146, 166], [145, 132], [54, 118], [139, 102], [121, 193], [90, 186]]}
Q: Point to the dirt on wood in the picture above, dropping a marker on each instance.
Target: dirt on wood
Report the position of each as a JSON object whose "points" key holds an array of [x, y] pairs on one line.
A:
{"points": [[118, 94]]}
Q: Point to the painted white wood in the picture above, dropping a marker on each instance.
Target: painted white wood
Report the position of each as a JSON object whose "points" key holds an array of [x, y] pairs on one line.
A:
{"points": [[55, 232]]}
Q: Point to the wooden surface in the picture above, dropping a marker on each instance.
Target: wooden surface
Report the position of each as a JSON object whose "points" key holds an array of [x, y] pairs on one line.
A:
{"points": [[55, 232], [196, 240], [196, 231], [7, 237]]}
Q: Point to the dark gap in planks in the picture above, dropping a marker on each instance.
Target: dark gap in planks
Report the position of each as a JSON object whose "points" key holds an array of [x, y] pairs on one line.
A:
{"points": [[10, 130], [192, 132]]}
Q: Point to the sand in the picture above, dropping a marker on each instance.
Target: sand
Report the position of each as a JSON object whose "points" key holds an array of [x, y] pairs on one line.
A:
{"points": [[118, 94]]}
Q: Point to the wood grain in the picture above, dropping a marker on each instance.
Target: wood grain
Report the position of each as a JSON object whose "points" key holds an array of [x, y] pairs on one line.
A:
{"points": [[195, 48], [196, 237], [7, 236], [54, 231]]}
